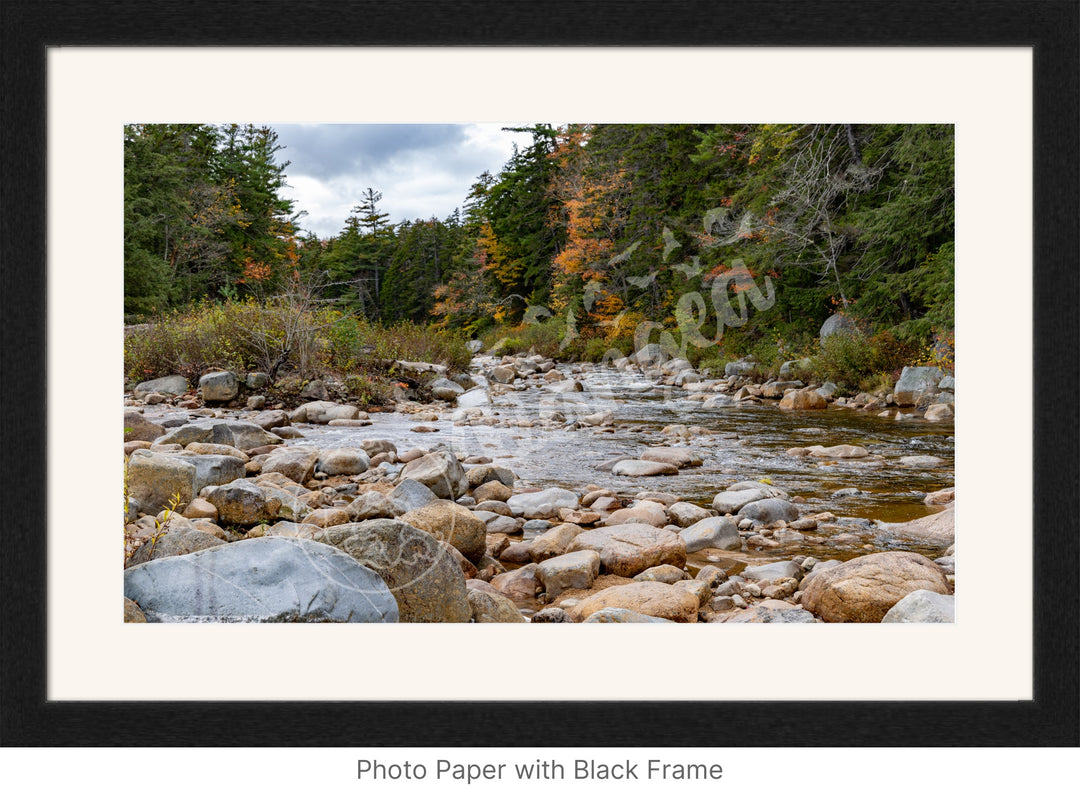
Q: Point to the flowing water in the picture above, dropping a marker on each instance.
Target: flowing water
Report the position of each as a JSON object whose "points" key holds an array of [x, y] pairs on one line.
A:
{"points": [[749, 443]]}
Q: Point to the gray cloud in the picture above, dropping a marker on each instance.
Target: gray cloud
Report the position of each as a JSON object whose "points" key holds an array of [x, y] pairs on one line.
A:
{"points": [[422, 170]]}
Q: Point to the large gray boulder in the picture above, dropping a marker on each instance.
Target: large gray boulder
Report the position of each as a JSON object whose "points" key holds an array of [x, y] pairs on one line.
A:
{"points": [[835, 324], [411, 495], [922, 607], [153, 479], [914, 383], [544, 504], [770, 510], [268, 579], [730, 501], [712, 533], [342, 461], [166, 385], [238, 434], [440, 472], [242, 503], [426, 581], [220, 386], [212, 469]]}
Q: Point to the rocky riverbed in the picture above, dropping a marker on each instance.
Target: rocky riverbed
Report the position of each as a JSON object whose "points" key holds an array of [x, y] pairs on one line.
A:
{"points": [[637, 491]]}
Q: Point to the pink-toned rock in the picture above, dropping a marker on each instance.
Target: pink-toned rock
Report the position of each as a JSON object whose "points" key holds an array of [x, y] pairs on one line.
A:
{"points": [[803, 400], [519, 585], [648, 598], [628, 549], [643, 512]]}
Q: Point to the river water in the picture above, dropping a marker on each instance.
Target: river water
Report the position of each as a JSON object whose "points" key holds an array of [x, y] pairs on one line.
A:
{"points": [[748, 443]]}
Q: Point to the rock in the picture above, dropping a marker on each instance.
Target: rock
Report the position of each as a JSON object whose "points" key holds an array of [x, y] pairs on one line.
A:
{"points": [[915, 382], [553, 542], [373, 447], [411, 495], [268, 579], [577, 569], [837, 452], [217, 450], [292, 529], [496, 524], [200, 508], [791, 367], [922, 607], [803, 400], [637, 467], [219, 387], [451, 522], [167, 385], [922, 461], [243, 435], [492, 491], [328, 516], [544, 504], [241, 503], [938, 529], [770, 510], [628, 549], [866, 588], [939, 412], [493, 608], [316, 389], [940, 497], [483, 474], [668, 574], [288, 506], [772, 571], [136, 427], [427, 583], [441, 472], [476, 398], [679, 457], [175, 540], [617, 615], [835, 324], [475, 346], [683, 513], [643, 512], [212, 469], [646, 598], [296, 462], [652, 354], [324, 413], [742, 367], [132, 613], [342, 461], [154, 479], [603, 418], [518, 585], [776, 389], [712, 533], [446, 390], [374, 505], [552, 615], [271, 419], [761, 614], [731, 501]]}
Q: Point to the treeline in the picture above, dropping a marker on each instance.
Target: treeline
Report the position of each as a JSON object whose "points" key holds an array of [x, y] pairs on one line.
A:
{"points": [[602, 230]]}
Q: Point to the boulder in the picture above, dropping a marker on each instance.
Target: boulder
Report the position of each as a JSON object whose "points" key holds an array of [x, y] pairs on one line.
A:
{"points": [[731, 501], [652, 355], [427, 583], [837, 452], [922, 607], [175, 540], [323, 412], [922, 461], [136, 427], [543, 504], [742, 367], [835, 324], [617, 615], [372, 447], [296, 462], [326, 516], [243, 435], [668, 574], [241, 503], [477, 398], [803, 400], [448, 521], [519, 585], [770, 510], [411, 495], [491, 491], [446, 390], [679, 457], [761, 614], [268, 579], [938, 529], [132, 613], [637, 467], [866, 588], [712, 533], [628, 549], [646, 598], [643, 512], [482, 474], [791, 367], [166, 385], [682, 513], [578, 569], [271, 419], [342, 461], [154, 479], [375, 505], [553, 542], [493, 608], [221, 386], [772, 571], [939, 412], [440, 472], [915, 382], [213, 469]]}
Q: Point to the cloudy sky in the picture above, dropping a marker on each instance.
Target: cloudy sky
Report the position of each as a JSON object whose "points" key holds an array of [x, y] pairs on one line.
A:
{"points": [[421, 170]]}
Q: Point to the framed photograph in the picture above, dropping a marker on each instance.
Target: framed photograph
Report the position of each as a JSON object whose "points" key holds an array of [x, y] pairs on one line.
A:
{"points": [[997, 83]]}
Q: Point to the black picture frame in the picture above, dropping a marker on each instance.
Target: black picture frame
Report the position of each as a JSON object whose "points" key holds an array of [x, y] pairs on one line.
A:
{"points": [[1050, 27]]}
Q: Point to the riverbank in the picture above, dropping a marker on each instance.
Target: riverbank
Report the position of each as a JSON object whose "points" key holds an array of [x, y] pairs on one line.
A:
{"points": [[718, 518]]}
